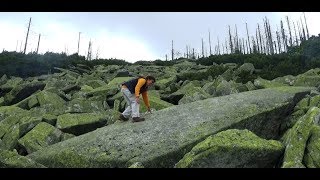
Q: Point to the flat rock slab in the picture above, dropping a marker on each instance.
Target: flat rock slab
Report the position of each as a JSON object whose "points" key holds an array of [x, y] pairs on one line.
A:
{"points": [[167, 135]]}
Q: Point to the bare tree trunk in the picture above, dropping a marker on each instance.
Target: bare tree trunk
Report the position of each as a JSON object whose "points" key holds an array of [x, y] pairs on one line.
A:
{"points": [[172, 51], [25, 45], [261, 43], [290, 40], [193, 56], [295, 33], [78, 43], [231, 45], [304, 34], [202, 47], [226, 43], [270, 37], [284, 37], [257, 40], [38, 43], [248, 51], [243, 46], [248, 38], [236, 40], [166, 57], [300, 33], [306, 25], [267, 37], [218, 45], [210, 42]]}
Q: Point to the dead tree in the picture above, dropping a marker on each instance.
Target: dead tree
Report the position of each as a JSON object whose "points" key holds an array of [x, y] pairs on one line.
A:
{"points": [[290, 40], [172, 52], [38, 43], [295, 33], [248, 38], [284, 37], [210, 42], [231, 45], [25, 45], [306, 25]]}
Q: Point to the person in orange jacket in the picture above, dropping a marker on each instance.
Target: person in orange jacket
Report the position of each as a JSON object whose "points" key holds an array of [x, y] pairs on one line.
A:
{"points": [[131, 91]]}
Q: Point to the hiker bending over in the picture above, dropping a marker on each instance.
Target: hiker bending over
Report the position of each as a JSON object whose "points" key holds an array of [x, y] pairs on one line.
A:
{"points": [[131, 91]]}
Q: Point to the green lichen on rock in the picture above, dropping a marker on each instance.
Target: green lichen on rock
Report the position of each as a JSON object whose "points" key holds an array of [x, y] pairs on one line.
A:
{"points": [[43, 135], [116, 82], [51, 102], [155, 103], [50, 119], [168, 134], [11, 83], [84, 106], [136, 165], [303, 80], [226, 88], [18, 93], [9, 116], [11, 159], [263, 83], [95, 83], [10, 139], [233, 149], [81, 123], [312, 156], [66, 136], [27, 123], [297, 137]]}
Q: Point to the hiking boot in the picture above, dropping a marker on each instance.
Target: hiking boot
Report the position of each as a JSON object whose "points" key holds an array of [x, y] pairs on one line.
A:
{"points": [[137, 119], [123, 118]]}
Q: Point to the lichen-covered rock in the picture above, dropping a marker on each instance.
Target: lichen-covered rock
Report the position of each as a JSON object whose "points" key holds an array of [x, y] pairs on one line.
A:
{"points": [[10, 139], [295, 141], [200, 95], [51, 102], [33, 102], [84, 106], [303, 104], [137, 165], [21, 92], [116, 105], [163, 83], [226, 88], [168, 134], [9, 116], [209, 88], [311, 156], [11, 83], [50, 119], [66, 136], [40, 137], [1, 101], [11, 159], [246, 67], [155, 103], [263, 83], [94, 84], [289, 80], [303, 80], [27, 123], [3, 79], [82, 123], [233, 149]]}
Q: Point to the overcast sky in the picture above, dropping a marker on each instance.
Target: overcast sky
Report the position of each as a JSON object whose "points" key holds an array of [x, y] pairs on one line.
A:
{"points": [[136, 35]]}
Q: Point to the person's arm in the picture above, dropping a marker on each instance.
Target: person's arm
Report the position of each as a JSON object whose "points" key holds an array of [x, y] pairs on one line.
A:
{"points": [[145, 99], [140, 83]]}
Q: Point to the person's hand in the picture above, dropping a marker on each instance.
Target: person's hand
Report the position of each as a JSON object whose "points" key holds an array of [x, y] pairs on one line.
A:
{"points": [[149, 110], [138, 100]]}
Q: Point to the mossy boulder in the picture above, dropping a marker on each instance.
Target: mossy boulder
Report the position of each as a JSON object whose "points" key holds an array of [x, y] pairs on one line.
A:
{"points": [[50, 119], [197, 96], [303, 80], [51, 102], [10, 84], [84, 106], [27, 123], [136, 165], [289, 80], [95, 83], [260, 83], [116, 82], [297, 137], [43, 135], [1, 101], [11, 159], [104, 91], [168, 134], [226, 88], [209, 88], [155, 103], [82, 123], [311, 156], [21, 92], [233, 149], [10, 139], [9, 116], [246, 67], [163, 83]]}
